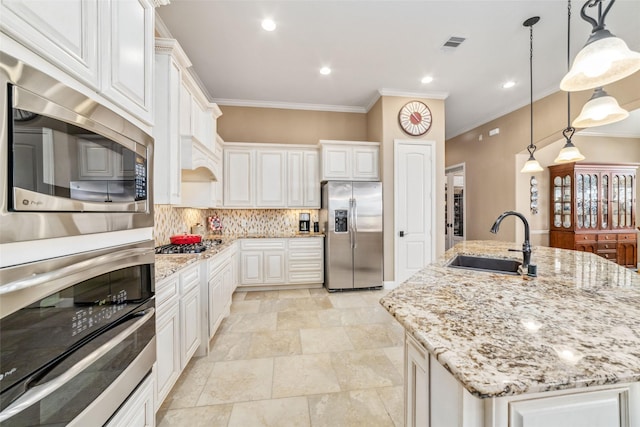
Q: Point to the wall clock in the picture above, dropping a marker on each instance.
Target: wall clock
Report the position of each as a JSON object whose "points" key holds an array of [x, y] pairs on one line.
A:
{"points": [[415, 118]]}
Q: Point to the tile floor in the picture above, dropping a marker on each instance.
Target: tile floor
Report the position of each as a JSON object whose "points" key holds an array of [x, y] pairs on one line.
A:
{"points": [[295, 358]]}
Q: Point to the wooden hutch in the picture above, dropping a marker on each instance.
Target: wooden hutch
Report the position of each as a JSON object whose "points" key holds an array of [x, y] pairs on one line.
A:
{"points": [[593, 209]]}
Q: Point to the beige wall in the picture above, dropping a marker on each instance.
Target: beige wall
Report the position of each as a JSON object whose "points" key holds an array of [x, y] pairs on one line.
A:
{"points": [[282, 126], [390, 106], [492, 168]]}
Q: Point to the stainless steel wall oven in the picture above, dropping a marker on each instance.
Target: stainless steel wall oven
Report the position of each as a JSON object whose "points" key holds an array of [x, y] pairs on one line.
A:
{"points": [[77, 335], [70, 166]]}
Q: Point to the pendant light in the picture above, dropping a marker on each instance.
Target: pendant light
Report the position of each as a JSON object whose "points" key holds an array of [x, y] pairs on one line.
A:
{"points": [[604, 59], [532, 164], [569, 152], [601, 109]]}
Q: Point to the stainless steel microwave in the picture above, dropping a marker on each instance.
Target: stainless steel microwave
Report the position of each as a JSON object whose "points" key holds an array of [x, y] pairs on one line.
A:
{"points": [[71, 166]]}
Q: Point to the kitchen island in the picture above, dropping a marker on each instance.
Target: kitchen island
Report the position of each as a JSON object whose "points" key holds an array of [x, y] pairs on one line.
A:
{"points": [[490, 349]]}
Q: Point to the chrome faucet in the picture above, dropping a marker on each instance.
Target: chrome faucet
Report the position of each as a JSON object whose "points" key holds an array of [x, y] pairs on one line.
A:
{"points": [[526, 246]]}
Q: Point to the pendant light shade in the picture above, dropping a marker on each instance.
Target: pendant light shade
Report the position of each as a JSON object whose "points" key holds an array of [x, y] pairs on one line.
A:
{"points": [[568, 154], [601, 109], [531, 166], [604, 59]]}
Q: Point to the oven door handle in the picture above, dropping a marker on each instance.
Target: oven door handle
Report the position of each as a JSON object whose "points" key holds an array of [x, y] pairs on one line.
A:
{"points": [[41, 391], [38, 279]]}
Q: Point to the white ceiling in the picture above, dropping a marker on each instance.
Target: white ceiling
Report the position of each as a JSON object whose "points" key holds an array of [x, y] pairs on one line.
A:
{"points": [[384, 46]]}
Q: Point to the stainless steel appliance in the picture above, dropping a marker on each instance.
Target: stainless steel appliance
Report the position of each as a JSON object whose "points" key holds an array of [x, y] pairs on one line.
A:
{"points": [[77, 335], [304, 222], [71, 166], [352, 217]]}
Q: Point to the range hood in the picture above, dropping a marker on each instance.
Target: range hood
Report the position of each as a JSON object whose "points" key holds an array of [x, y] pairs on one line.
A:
{"points": [[199, 163]]}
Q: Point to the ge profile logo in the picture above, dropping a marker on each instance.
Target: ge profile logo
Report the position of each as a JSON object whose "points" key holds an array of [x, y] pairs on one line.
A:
{"points": [[25, 202], [28, 202]]}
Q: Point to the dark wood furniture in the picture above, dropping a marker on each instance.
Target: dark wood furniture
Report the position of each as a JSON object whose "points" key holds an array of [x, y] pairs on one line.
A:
{"points": [[593, 209]]}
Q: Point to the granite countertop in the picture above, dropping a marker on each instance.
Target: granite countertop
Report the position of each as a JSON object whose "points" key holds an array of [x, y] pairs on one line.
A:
{"points": [[167, 264], [575, 325]]}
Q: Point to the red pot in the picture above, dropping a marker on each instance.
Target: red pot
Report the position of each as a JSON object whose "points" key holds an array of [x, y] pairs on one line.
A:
{"points": [[185, 239]]}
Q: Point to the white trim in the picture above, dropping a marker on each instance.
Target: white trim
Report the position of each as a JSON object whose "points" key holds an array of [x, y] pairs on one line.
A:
{"points": [[288, 105], [161, 28], [427, 95], [250, 144], [340, 142], [539, 232], [455, 168], [433, 145], [389, 284]]}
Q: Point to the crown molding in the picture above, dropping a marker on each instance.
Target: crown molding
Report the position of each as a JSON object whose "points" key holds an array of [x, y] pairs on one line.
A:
{"points": [[288, 105], [429, 95]]}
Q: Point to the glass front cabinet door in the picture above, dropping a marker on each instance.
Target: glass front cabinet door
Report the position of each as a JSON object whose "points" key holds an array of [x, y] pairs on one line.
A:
{"points": [[592, 209]]}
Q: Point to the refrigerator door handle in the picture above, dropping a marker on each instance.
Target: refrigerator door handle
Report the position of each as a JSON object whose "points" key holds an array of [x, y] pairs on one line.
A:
{"points": [[355, 224], [351, 223]]}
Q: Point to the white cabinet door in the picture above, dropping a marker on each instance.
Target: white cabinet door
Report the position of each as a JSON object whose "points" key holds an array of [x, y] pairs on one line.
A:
{"points": [[303, 179], [168, 351], [336, 162], [166, 132], [251, 272], [215, 302], [295, 179], [190, 324], [238, 178], [139, 409], [64, 32], [607, 408], [127, 47], [274, 267], [365, 163], [311, 180], [270, 178], [416, 385]]}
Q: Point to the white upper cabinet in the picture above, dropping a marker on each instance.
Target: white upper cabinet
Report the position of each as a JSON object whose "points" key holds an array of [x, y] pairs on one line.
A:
{"points": [[270, 178], [238, 177], [303, 179], [127, 47], [63, 32], [188, 152], [350, 161], [106, 46]]}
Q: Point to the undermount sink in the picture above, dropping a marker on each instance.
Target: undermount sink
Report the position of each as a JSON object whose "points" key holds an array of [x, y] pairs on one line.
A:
{"points": [[494, 265]]}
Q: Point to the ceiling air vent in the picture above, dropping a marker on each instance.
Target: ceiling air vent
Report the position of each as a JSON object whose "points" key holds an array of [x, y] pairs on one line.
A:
{"points": [[453, 43]]}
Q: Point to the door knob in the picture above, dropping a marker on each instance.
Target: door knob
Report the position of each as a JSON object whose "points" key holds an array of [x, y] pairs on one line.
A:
{"points": [[402, 234]]}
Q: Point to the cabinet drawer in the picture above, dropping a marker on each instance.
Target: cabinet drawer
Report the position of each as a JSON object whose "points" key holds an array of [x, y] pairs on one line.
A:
{"points": [[607, 246], [607, 237], [263, 244], [608, 255], [189, 278], [630, 237], [305, 277], [216, 263], [586, 238], [166, 290], [304, 255], [306, 243], [305, 265]]}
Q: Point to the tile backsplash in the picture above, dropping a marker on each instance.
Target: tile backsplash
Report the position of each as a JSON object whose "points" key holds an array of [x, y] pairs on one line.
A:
{"points": [[170, 220]]}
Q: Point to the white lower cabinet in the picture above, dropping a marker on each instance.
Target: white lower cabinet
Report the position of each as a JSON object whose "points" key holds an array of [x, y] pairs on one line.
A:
{"points": [[190, 325], [139, 409], [434, 398], [219, 271], [268, 263]]}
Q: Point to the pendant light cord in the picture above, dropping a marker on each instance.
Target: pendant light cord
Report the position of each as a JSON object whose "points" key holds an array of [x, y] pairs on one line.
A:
{"points": [[531, 148], [569, 131]]}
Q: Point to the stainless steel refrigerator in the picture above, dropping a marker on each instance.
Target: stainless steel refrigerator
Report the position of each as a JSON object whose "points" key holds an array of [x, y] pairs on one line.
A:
{"points": [[352, 217]]}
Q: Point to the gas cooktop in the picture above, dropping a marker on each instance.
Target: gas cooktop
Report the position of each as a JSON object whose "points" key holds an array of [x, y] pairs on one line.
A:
{"points": [[192, 248]]}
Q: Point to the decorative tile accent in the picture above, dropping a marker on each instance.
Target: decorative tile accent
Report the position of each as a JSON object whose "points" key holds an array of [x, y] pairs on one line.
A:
{"points": [[170, 220]]}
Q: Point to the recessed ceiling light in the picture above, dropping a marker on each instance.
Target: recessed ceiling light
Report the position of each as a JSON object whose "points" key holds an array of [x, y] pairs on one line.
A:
{"points": [[508, 84], [268, 25], [427, 79], [325, 70]]}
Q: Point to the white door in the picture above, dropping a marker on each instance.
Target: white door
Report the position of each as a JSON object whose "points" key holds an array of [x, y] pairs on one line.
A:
{"points": [[414, 206], [454, 206]]}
